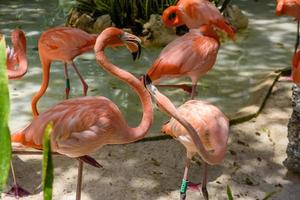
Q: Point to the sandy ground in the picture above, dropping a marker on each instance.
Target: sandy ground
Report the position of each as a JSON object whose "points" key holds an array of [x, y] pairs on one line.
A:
{"points": [[153, 170]]}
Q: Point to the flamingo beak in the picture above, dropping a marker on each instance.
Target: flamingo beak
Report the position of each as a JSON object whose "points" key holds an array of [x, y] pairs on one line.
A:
{"points": [[133, 44], [150, 87]]}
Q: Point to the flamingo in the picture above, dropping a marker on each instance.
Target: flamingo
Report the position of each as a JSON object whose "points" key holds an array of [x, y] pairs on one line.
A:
{"points": [[195, 13], [85, 124], [192, 54], [192, 121], [61, 44], [290, 8], [296, 68], [17, 55]]}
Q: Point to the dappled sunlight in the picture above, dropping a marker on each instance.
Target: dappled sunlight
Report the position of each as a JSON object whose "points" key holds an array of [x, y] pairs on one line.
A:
{"points": [[238, 84]]}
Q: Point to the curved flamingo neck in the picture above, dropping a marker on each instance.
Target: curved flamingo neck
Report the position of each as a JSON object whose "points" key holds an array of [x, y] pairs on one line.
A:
{"points": [[19, 53], [166, 17], [209, 31], [45, 81], [141, 130], [168, 107]]}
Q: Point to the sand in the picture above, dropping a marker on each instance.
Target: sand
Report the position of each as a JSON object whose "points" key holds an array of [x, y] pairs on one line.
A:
{"points": [[153, 170]]}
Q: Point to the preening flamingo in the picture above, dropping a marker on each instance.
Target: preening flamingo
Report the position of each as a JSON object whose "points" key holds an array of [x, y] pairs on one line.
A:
{"points": [[61, 44], [192, 121], [290, 8], [83, 125], [296, 67], [195, 13], [16, 55], [192, 54]]}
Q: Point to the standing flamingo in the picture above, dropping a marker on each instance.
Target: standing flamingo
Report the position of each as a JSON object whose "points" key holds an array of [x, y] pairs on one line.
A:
{"points": [[197, 120], [296, 68], [17, 55], [61, 44], [290, 8], [192, 54], [83, 125], [195, 13]]}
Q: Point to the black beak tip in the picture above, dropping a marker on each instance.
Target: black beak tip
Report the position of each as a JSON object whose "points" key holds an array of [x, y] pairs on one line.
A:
{"points": [[134, 56], [147, 80]]}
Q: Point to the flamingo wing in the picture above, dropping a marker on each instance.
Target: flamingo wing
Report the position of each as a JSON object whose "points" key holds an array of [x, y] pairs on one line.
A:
{"points": [[202, 9], [80, 126], [184, 55], [66, 42]]}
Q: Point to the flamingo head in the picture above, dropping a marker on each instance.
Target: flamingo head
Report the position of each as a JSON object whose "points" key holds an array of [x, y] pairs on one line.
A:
{"points": [[114, 37], [172, 17], [163, 103]]}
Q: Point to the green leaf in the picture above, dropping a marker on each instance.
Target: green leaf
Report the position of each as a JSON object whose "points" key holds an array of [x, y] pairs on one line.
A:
{"points": [[229, 193], [269, 195], [5, 143], [47, 176]]}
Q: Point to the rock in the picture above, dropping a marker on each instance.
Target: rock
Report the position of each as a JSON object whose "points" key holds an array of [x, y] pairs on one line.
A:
{"points": [[73, 15], [84, 22], [236, 17], [155, 33], [292, 162], [102, 23]]}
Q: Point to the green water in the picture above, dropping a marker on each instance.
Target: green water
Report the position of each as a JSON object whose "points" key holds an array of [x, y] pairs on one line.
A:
{"points": [[266, 46]]}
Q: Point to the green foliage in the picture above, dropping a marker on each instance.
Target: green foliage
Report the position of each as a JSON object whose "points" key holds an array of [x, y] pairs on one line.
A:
{"points": [[129, 13], [47, 176], [126, 13], [5, 143], [269, 195], [229, 193]]}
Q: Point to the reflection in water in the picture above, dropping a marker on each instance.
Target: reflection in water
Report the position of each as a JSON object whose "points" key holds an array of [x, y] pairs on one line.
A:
{"points": [[240, 66]]}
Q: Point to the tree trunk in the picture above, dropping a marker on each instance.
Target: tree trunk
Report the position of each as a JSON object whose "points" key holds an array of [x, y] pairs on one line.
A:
{"points": [[292, 161]]}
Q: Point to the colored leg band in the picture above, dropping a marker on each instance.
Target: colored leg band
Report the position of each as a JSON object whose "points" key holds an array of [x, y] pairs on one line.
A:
{"points": [[68, 83], [184, 185]]}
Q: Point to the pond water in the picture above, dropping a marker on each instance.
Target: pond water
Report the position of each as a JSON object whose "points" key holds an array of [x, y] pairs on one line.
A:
{"points": [[266, 46]]}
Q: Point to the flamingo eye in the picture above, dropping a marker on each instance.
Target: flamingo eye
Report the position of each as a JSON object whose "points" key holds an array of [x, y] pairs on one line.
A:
{"points": [[172, 16]]}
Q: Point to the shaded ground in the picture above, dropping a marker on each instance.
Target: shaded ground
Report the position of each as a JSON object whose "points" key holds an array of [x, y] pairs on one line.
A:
{"points": [[153, 170]]}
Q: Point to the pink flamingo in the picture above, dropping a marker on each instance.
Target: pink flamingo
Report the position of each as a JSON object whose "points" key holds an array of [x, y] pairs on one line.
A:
{"points": [[290, 8], [61, 44], [192, 121], [195, 13], [17, 55], [192, 54], [83, 125]]}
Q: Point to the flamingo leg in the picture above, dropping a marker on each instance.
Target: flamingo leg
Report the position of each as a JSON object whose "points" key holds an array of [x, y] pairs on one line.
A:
{"points": [[204, 182], [68, 87], [16, 190], [194, 91], [184, 183], [79, 180], [84, 84], [298, 37]]}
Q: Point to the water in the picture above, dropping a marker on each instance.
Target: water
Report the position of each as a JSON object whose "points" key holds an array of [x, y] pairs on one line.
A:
{"points": [[266, 46]]}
